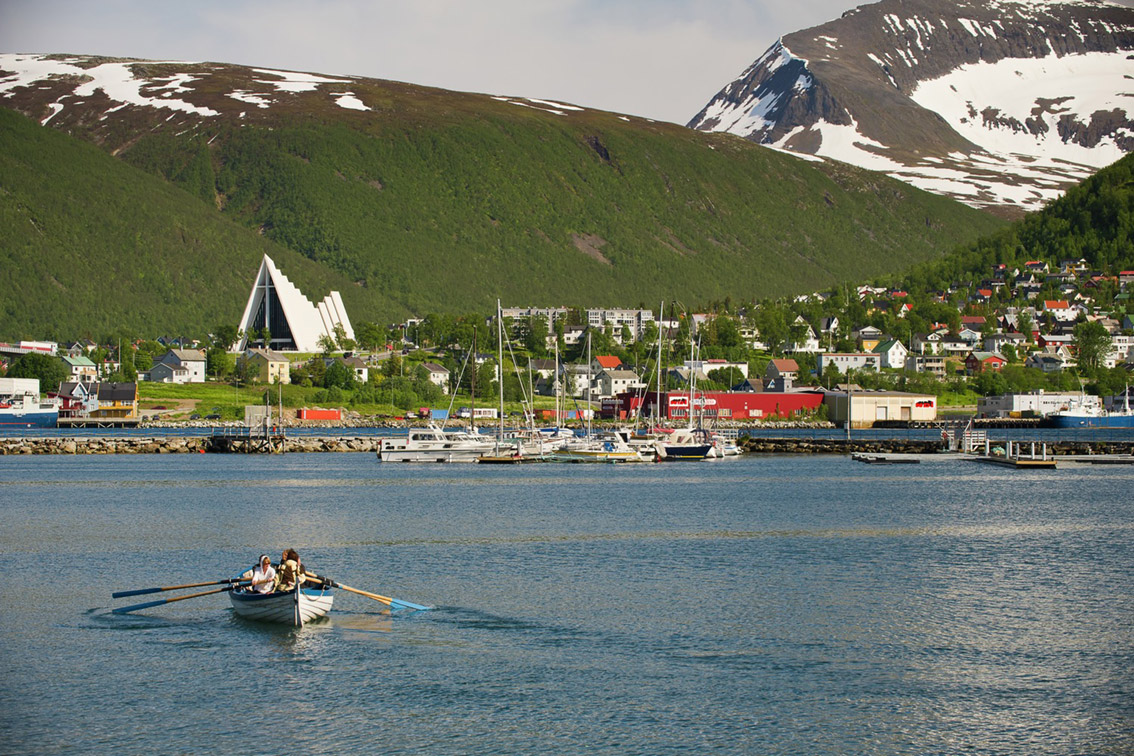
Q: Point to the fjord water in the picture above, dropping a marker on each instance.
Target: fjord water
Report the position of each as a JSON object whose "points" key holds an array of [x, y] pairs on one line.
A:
{"points": [[772, 605]]}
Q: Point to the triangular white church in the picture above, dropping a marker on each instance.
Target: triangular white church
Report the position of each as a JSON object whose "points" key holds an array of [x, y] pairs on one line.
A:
{"points": [[296, 325]]}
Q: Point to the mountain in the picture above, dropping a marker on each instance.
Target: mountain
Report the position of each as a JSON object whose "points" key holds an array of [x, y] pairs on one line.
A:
{"points": [[426, 200], [1002, 104]]}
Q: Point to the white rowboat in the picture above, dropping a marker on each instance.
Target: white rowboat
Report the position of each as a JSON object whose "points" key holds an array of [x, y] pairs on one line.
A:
{"points": [[296, 607]]}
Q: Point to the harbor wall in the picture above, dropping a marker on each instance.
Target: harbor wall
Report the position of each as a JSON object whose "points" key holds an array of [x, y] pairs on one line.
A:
{"points": [[750, 445]]}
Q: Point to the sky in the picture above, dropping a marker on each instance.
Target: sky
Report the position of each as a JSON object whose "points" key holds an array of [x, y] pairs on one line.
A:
{"points": [[660, 59]]}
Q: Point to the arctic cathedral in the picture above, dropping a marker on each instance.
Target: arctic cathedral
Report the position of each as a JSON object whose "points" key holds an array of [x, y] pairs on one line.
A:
{"points": [[296, 325]]}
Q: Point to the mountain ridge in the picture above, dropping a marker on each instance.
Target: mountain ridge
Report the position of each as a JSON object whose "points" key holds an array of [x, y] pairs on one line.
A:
{"points": [[948, 95]]}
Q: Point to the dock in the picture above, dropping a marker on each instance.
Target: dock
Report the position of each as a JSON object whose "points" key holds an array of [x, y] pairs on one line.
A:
{"points": [[1015, 454]]}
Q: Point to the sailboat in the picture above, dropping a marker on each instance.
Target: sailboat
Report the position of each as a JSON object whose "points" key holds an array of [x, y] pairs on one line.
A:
{"points": [[603, 447]]}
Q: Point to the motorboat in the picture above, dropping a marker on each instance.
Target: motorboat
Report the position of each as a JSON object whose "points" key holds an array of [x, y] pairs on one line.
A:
{"points": [[434, 444]]}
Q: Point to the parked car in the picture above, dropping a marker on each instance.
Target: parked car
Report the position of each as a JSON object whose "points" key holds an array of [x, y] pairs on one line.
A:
{"points": [[212, 417], [195, 416]]}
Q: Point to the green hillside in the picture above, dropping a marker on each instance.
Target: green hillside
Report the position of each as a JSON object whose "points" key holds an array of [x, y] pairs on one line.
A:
{"points": [[91, 245], [1093, 221], [429, 201], [537, 209]]}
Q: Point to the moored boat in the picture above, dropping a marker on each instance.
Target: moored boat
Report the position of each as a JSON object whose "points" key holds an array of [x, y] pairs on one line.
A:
{"points": [[432, 444], [296, 607]]}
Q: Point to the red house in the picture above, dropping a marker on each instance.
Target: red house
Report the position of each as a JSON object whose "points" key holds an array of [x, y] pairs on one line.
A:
{"points": [[978, 362]]}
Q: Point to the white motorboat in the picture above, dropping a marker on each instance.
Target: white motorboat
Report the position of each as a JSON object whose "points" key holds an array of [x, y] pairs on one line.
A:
{"points": [[433, 444], [295, 607], [606, 447]]}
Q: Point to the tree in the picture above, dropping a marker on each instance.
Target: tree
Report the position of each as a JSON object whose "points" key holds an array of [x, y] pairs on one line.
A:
{"points": [[326, 345], [369, 335], [339, 374], [346, 344], [51, 371], [1094, 343], [225, 336]]}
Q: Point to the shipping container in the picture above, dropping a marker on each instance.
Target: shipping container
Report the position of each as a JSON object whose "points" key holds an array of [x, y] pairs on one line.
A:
{"points": [[319, 414]]}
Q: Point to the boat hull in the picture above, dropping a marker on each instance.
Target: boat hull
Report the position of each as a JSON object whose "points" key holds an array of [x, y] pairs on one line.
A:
{"points": [[1104, 420], [18, 418], [680, 452], [295, 608]]}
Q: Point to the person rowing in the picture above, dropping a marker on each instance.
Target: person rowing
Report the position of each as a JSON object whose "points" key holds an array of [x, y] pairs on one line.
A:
{"points": [[263, 575], [291, 571]]}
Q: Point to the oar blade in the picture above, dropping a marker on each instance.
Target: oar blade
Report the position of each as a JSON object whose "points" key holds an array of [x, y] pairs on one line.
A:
{"points": [[402, 604], [139, 592], [136, 607]]}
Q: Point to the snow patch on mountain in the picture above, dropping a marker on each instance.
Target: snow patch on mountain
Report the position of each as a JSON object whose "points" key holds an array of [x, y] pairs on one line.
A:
{"points": [[994, 105]]}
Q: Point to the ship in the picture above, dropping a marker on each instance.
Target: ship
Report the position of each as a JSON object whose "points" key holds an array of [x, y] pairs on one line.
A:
{"points": [[21, 406], [1094, 416]]}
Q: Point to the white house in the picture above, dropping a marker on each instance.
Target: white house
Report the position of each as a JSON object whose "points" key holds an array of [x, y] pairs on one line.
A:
{"points": [[614, 382], [892, 353], [438, 375], [191, 360], [807, 341], [844, 361]]}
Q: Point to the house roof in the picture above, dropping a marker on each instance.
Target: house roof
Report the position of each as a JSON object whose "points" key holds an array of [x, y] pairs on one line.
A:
{"points": [[266, 354], [886, 346], [786, 366], [608, 361], [621, 375], [986, 356], [1055, 304], [117, 392], [433, 367], [78, 361], [187, 355]]}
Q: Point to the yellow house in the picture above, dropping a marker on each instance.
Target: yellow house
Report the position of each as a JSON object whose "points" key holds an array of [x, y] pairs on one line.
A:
{"points": [[270, 366], [117, 401]]}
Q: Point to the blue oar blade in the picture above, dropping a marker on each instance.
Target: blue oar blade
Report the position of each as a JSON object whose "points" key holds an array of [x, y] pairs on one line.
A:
{"points": [[135, 607], [139, 592], [400, 604]]}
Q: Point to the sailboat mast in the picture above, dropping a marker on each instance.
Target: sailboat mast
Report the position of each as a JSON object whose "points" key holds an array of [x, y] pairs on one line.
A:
{"points": [[500, 367], [661, 322]]}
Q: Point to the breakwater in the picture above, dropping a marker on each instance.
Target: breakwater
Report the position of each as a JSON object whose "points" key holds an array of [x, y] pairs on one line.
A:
{"points": [[299, 444]]}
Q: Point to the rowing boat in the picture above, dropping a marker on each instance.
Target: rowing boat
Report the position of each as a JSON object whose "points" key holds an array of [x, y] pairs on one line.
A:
{"points": [[295, 607]]}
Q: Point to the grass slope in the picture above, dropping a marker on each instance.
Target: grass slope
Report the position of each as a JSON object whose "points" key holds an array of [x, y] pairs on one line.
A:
{"points": [[91, 244], [444, 201]]}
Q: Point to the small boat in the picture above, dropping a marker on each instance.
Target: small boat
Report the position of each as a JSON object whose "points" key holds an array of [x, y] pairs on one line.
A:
{"points": [[606, 447], [685, 444], [295, 607]]}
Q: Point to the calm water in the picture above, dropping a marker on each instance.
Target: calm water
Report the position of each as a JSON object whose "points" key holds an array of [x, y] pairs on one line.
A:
{"points": [[770, 605]]}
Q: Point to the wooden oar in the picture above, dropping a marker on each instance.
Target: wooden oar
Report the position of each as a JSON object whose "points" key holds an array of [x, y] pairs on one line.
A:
{"points": [[148, 604], [393, 603], [141, 591]]}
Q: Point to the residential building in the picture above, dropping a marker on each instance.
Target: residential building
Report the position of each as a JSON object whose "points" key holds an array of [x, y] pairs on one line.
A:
{"points": [[192, 360], [438, 375], [614, 382], [165, 372], [868, 337], [805, 340], [934, 364], [634, 320], [780, 375], [997, 341], [978, 362], [605, 362], [81, 368], [268, 366], [844, 361], [116, 401], [708, 366], [893, 354]]}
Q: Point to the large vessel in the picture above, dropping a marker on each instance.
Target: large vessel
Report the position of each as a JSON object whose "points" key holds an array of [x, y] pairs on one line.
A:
{"points": [[1094, 416], [21, 406], [433, 444]]}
